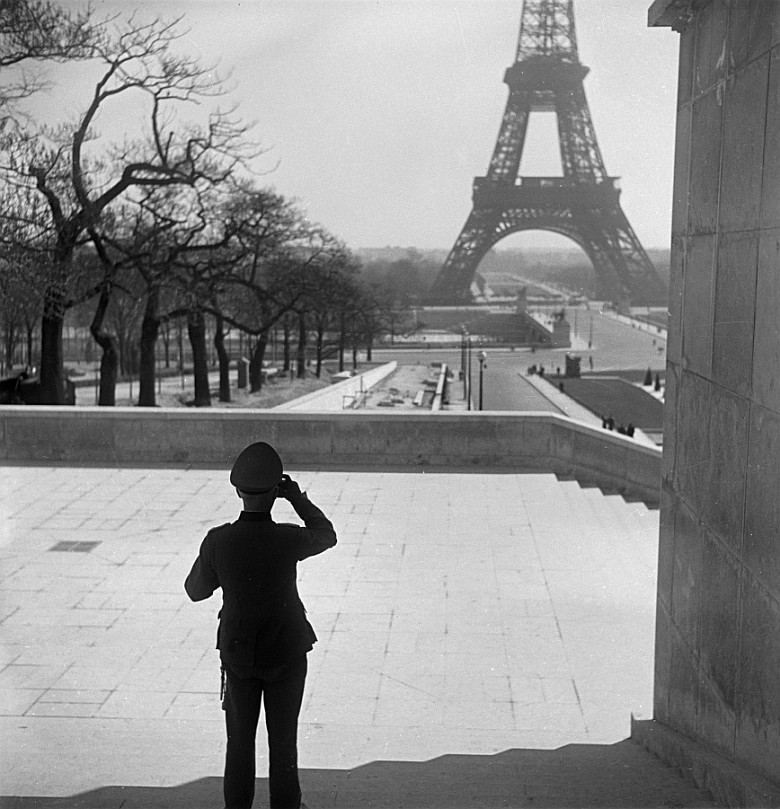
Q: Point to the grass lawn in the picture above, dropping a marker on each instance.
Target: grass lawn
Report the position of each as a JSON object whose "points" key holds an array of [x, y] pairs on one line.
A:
{"points": [[271, 394], [612, 396]]}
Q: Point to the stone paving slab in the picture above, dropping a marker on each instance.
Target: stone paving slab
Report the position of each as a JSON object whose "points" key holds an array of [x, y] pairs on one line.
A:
{"points": [[484, 639]]}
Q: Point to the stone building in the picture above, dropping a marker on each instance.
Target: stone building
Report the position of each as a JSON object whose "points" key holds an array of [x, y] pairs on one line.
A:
{"points": [[718, 618]]}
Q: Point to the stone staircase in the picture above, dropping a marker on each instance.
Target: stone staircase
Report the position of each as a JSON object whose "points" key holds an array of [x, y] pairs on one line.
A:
{"points": [[593, 510], [607, 491]]}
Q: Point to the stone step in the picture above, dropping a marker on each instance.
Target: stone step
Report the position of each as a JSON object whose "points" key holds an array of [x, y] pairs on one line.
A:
{"points": [[609, 512], [586, 483]]}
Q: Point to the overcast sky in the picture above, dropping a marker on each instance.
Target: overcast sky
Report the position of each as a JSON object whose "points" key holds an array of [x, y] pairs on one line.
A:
{"points": [[379, 113]]}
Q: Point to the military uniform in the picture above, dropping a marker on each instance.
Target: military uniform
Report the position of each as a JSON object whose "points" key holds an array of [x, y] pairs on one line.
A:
{"points": [[263, 634]]}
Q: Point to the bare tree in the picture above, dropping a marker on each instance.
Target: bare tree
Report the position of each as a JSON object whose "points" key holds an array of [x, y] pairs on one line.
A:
{"points": [[325, 286], [158, 240], [37, 31], [20, 303], [272, 242], [138, 57], [123, 320], [26, 255], [328, 313]]}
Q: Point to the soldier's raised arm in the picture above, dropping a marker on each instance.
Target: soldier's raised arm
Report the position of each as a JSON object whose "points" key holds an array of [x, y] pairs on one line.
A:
{"points": [[319, 534]]}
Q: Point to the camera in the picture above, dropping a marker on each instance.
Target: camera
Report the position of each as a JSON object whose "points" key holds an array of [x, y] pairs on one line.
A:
{"points": [[287, 487]]}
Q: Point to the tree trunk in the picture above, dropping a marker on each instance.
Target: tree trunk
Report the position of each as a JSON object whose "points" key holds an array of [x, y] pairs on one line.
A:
{"points": [[301, 354], [9, 338], [30, 334], [180, 338], [51, 390], [342, 340], [369, 346], [150, 330], [286, 344], [109, 360], [196, 328], [133, 359], [124, 359], [224, 360], [52, 379], [256, 363], [255, 368], [320, 346], [167, 342]]}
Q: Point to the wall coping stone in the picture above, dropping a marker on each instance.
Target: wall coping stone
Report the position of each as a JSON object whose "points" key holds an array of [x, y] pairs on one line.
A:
{"points": [[668, 13], [331, 397]]}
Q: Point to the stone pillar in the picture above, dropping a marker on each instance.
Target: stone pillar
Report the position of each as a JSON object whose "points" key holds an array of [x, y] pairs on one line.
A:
{"points": [[718, 616], [243, 372], [561, 331]]}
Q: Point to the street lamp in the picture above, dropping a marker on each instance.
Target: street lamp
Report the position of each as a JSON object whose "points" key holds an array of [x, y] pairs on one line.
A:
{"points": [[463, 355], [482, 358], [468, 371], [465, 364]]}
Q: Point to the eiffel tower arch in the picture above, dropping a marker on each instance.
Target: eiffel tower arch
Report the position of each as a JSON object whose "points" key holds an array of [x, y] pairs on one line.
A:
{"points": [[582, 204]]}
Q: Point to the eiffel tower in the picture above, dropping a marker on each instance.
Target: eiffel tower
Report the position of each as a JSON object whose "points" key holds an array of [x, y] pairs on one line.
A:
{"points": [[582, 204]]}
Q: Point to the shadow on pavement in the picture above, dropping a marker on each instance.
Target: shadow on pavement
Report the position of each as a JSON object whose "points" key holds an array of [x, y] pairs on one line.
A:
{"points": [[619, 775]]}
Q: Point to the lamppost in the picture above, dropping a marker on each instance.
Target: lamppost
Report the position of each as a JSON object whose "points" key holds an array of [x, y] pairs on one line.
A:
{"points": [[463, 335], [468, 371], [482, 358]]}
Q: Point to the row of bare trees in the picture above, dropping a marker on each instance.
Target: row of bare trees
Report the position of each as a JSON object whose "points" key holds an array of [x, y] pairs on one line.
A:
{"points": [[171, 218]]}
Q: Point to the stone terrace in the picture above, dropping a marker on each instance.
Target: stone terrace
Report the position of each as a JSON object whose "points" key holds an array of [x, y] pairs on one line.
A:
{"points": [[484, 639]]}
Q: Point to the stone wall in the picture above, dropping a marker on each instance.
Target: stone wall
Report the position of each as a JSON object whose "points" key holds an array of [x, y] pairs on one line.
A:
{"points": [[718, 624], [340, 395], [365, 439]]}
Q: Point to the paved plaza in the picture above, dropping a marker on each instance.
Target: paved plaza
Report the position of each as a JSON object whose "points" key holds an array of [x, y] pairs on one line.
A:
{"points": [[484, 640]]}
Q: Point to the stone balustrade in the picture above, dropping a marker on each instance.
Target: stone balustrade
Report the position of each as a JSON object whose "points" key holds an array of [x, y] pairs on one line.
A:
{"points": [[445, 441]]}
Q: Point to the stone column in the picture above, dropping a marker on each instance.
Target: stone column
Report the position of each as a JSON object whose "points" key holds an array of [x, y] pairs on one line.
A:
{"points": [[718, 625]]}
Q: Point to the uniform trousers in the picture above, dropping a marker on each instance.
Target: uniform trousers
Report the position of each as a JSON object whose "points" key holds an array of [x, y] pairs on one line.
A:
{"points": [[280, 689]]}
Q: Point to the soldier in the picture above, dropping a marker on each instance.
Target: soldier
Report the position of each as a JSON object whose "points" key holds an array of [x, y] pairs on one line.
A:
{"points": [[263, 635]]}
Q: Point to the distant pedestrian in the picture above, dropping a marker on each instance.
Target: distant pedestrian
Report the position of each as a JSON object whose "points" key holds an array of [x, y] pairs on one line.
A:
{"points": [[590, 362], [263, 635]]}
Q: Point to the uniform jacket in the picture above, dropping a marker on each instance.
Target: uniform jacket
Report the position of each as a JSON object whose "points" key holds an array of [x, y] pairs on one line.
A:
{"points": [[262, 620]]}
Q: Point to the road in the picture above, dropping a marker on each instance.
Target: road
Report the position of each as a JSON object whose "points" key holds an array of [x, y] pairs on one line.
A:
{"points": [[615, 346]]}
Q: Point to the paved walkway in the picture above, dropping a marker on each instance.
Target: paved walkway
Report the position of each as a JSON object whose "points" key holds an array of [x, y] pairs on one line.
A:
{"points": [[483, 641]]}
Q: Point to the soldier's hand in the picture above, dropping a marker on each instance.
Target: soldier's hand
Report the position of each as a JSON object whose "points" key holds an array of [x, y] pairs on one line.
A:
{"points": [[288, 488]]}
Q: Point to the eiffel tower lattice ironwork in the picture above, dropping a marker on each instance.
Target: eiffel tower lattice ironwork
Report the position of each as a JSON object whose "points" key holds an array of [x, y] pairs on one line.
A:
{"points": [[582, 204]]}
